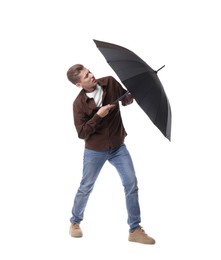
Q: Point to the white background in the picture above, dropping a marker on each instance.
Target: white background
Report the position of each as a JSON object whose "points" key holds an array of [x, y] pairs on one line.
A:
{"points": [[41, 156]]}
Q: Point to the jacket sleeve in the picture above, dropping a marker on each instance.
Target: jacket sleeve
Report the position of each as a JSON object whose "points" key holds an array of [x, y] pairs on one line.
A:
{"points": [[84, 125]]}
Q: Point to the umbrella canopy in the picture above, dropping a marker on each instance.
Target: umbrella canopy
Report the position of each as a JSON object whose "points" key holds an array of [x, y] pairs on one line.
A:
{"points": [[142, 82]]}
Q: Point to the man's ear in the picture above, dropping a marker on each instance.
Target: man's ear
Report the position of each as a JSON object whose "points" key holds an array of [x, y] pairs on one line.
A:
{"points": [[78, 85]]}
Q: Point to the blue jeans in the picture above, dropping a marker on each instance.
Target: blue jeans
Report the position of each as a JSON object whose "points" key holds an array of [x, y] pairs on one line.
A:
{"points": [[93, 162]]}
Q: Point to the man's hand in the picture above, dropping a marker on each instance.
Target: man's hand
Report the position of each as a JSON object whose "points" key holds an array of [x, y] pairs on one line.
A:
{"points": [[104, 110], [127, 100]]}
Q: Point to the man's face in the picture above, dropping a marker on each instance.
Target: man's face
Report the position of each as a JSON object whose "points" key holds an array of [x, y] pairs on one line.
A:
{"points": [[87, 80]]}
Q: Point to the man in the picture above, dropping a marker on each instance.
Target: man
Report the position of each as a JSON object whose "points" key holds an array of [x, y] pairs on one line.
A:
{"points": [[98, 121]]}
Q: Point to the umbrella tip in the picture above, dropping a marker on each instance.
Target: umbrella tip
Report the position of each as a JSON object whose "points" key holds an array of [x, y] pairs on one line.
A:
{"points": [[160, 68]]}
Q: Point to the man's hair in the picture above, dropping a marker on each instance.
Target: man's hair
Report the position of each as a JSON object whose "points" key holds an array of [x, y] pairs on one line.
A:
{"points": [[73, 73]]}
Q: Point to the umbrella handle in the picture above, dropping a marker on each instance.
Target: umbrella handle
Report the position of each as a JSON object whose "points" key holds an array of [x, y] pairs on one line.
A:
{"points": [[160, 68]]}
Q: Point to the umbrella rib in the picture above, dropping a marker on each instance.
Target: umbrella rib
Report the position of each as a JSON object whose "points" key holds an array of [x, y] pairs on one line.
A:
{"points": [[117, 71], [126, 60]]}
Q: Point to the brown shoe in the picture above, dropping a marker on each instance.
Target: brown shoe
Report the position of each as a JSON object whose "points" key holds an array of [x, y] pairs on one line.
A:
{"points": [[75, 230], [139, 235]]}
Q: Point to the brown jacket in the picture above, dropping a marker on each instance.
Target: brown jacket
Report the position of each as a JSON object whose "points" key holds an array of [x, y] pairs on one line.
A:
{"points": [[100, 133]]}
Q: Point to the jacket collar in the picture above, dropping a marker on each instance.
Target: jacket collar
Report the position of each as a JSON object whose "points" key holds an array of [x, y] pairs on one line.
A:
{"points": [[101, 83]]}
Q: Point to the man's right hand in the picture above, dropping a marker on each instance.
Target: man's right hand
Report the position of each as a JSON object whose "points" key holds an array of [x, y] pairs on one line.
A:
{"points": [[104, 110]]}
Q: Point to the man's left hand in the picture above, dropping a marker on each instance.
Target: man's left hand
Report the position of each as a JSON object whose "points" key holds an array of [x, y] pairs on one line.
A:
{"points": [[127, 100]]}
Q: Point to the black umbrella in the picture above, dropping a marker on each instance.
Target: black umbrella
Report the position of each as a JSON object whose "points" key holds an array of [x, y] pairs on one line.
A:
{"points": [[141, 81]]}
